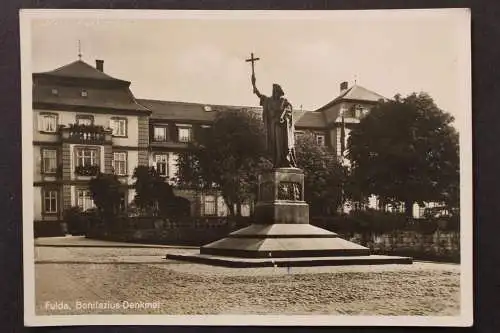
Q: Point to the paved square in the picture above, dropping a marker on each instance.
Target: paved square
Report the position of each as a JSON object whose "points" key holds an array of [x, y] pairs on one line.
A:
{"points": [[120, 274]]}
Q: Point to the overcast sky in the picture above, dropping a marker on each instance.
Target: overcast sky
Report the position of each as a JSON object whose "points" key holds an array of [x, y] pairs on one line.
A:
{"points": [[202, 59]]}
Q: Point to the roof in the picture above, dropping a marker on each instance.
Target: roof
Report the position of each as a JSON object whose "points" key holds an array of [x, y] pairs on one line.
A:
{"points": [[185, 111], [64, 85], [118, 98], [173, 110], [79, 69], [355, 93], [311, 119]]}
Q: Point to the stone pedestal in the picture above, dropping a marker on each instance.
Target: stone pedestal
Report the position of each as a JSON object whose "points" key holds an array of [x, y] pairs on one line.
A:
{"points": [[281, 197], [282, 235]]}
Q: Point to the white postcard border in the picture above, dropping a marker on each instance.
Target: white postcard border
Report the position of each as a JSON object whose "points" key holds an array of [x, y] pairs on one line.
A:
{"points": [[464, 122]]}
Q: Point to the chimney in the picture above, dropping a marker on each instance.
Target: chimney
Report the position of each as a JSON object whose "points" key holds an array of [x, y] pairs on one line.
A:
{"points": [[99, 65], [344, 86]]}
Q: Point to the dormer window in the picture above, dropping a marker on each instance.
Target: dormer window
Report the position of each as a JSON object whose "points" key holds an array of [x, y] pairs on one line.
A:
{"points": [[55, 92], [84, 93]]}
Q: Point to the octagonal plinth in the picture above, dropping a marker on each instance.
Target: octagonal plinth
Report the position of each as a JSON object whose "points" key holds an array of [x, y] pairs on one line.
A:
{"points": [[281, 212], [282, 233]]}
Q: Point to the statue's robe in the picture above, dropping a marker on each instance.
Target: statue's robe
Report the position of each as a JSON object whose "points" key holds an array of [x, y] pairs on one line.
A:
{"points": [[279, 131]]}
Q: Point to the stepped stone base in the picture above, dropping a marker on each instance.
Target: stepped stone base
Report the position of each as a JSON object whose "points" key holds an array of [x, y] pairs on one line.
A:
{"points": [[289, 262], [285, 245], [282, 241], [283, 236]]}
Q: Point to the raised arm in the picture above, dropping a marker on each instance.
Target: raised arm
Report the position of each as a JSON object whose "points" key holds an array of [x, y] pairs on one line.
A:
{"points": [[255, 90]]}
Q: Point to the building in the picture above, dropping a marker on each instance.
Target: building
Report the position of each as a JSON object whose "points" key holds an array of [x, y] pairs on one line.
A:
{"points": [[86, 121], [172, 127], [339, 115]]}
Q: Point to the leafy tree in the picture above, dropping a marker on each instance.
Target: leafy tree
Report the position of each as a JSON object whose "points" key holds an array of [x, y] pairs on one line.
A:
{"points": [[323, 175], [406, 150], [229, 158], [106, 192], [153, 195]]}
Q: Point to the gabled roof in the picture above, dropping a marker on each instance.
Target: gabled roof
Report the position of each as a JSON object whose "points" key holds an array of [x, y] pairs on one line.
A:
{"points": [[79, 69], [355, 93], [360, 94]]}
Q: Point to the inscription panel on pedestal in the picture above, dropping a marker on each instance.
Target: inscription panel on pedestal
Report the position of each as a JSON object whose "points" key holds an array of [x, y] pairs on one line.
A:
{"points": [[289, 191]]}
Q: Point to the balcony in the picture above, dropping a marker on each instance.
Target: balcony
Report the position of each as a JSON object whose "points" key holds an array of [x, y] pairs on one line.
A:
{"points": [[85, 134], [87, 170]]}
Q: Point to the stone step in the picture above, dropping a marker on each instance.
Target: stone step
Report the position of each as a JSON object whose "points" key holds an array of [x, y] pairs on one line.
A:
{"points": [[289, 262]]}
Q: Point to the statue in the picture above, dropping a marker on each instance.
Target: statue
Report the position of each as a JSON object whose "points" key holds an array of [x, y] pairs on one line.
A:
{"points": [[278, 121]]}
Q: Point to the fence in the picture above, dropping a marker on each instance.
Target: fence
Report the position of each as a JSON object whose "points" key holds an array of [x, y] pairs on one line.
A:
{"points": [[425, 245]]}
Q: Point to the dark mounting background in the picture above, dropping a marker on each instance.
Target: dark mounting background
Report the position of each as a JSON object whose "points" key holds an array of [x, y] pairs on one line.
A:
{"points": [[486, 120]]}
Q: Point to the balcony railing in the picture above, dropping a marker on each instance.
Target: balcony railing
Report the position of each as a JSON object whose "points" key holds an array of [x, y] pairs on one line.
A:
{"points": [[85, 134], [87, 170]]}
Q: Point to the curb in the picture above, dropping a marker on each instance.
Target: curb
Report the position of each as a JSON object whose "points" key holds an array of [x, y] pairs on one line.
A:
{"points": [[137, 246], [76, 262]]}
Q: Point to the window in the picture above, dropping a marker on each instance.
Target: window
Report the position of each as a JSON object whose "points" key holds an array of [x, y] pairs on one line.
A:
{"points": [[47, 123], [222, 208], [161, 164], [160, 134], [86, 157], [297, 135], [184, 134], [84, 93], [119, 126], [166, 164], [320, 139], [50, 201], [84, 199], [49, 160], [245, 209], [86, 120], [173, 159], [339, 144], [120, 163], [209, 205]]}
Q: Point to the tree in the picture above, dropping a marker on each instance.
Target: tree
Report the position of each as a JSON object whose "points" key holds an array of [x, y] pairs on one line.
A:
{"points": [[153, 194], [229, 158], [106, 192], [406, 150], [323, 175]]}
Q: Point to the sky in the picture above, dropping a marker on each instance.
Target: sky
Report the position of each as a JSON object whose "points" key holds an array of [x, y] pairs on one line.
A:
{"points": [[201, 57]]}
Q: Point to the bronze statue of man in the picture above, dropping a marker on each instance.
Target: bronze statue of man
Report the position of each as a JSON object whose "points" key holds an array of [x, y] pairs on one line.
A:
{"points": [[278, 121]]}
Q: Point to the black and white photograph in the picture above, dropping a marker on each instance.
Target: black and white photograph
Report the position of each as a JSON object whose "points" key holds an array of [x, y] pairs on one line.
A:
{"points": [[247, 167]]}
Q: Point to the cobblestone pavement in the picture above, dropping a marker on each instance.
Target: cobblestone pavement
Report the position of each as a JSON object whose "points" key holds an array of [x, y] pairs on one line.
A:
{"points": [[89, 280]]}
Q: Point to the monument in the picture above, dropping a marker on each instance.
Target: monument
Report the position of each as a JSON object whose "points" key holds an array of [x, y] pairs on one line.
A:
{"points": [[281, 234]]}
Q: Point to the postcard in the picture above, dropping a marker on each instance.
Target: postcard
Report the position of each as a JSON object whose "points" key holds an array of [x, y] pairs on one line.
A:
{"points": [[295, 168]]}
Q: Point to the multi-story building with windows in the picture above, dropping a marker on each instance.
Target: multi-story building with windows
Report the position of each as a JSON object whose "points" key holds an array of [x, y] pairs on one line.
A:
{"points": [[86, 121], [172, 127]]}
